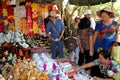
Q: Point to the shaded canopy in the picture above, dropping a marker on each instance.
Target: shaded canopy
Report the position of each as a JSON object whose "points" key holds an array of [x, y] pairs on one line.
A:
{"points": [[88, 2]]}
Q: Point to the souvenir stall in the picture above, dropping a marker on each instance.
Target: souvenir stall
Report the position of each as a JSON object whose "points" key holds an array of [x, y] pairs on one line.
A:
{"points": [[24, 48]]}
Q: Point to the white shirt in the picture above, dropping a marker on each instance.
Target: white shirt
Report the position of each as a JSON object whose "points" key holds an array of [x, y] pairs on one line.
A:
{"points": [[93, 23]]}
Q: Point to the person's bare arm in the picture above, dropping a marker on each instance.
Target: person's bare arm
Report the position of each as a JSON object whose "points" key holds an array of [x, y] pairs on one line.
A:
{"points": [[91, 45], [80, 44], [97, 78], [86, 65], [50, 37], [62, 34], [95, 36]]}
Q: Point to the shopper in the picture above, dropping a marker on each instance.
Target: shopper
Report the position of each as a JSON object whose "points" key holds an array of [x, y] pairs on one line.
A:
{"points": [[88, 15], [73, 30], [105, 33], [74, 26], [85, 38], [108, 68], [55, 30]]}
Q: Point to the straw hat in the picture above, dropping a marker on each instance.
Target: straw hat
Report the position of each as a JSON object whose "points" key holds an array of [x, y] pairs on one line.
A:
{"points": [[106, 9], [52, 14]]}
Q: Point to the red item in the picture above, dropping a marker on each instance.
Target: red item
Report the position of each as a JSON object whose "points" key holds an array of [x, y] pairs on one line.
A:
{"points": [[69, 74], [54, 9], [10, 10], [31, 34], [28, 0], [50, 7], [29, 26], [0, 11], [1, 26], [29, 13]]}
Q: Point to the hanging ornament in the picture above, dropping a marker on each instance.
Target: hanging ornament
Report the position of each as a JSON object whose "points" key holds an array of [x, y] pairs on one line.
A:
{"points": [[31, 33], [29, 13], [4, 12], [22, 11], [42, 6], [43, 28], [1, 26], [23, 26]]}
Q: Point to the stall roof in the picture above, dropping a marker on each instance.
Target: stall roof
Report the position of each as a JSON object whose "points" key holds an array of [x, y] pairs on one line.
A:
{"points": [[88, 2]]}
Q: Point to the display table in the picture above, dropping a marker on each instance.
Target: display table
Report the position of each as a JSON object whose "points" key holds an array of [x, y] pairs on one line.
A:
{"points": [[44, 62]]}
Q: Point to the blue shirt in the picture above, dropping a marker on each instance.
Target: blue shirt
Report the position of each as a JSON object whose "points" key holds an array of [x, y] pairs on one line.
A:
{"points": [[105, 36], [55, 29]]}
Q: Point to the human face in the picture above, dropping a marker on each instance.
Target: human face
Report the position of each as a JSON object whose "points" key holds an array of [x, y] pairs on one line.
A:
{"points": [[102, 59], [77, 20], [105, 16], [88, 16], [52, 19]]}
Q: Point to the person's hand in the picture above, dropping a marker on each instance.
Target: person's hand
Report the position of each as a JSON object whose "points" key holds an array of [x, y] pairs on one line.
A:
{"points": [[91, 53], [81, 50], [60, 37], [52, 39], [76, 68]]}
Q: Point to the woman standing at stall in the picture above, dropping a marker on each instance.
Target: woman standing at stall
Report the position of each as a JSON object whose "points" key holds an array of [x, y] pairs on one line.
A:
{"points": [[105, 33], [106, 30]]}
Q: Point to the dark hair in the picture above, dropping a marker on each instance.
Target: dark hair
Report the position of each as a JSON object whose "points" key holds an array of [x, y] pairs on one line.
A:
{"points": [[84, 23], [105, 54], [110, 14]]}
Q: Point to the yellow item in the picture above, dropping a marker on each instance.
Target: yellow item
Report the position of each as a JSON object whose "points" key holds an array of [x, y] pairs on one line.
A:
{"points": [[5, 13], [23, 26], [35, 28], [11, 27]]}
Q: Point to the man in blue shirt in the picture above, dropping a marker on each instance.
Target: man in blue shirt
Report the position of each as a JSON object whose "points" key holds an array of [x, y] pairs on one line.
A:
{"points": [[55, 30]]}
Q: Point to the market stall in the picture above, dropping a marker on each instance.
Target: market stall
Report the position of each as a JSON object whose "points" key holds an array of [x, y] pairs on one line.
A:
{"points": [[24, 49]]}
